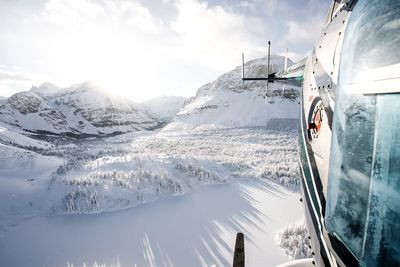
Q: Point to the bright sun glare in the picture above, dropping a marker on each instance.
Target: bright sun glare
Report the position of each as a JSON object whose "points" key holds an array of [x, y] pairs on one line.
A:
{"points": [[114, 57], [137, 49], [128, 51]]}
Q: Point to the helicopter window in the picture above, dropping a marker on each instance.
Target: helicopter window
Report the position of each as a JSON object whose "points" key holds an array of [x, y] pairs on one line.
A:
{"points": [[363, 206], [382, 236], [350, 169], [363, 202], [372, 43]]}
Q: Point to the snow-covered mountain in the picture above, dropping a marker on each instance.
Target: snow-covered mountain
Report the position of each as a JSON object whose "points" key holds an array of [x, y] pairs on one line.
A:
{"points": [[166, 107], [40, 179], [82, 109], [45, 90], [229, 101]]}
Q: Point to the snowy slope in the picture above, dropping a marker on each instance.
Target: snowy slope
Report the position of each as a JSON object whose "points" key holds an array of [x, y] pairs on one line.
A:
{"points": [[166, 107], [11, 136], [24, 177], [229, 101], [197, 229], [251, 175], [79, 109]]}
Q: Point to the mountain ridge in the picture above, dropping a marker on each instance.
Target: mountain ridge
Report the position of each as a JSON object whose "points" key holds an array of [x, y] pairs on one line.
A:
{"points": [[81, 109], [85, 109], [229, 101]]}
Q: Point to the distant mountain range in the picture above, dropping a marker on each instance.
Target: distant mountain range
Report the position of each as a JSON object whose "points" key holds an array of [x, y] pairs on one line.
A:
{"points": [[79, 110], [86, 110]]}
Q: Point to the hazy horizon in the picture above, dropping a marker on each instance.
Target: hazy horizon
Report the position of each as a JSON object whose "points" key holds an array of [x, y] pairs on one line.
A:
{"points": [[144, 49]]}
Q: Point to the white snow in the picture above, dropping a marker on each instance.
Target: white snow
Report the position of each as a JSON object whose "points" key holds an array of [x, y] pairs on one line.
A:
{"points": [[119, 173], [234, 179], [24, 177], [294, 239], [230, 102], [80, 109], [166, 107], [176, 197], [11, 136], [222, 109], [196, 229]]}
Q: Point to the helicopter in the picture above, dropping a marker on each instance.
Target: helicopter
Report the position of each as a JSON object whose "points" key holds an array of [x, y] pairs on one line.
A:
{"points": [[349, 135]]}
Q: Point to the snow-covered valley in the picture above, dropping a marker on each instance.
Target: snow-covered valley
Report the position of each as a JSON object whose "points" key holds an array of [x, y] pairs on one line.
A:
{"points": [[195, 229], [174, 196], [236, 179], [196, 190]]}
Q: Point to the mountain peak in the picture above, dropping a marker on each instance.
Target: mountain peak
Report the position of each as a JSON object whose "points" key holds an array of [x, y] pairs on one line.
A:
{"points": [[230, 101], [45, 90]]}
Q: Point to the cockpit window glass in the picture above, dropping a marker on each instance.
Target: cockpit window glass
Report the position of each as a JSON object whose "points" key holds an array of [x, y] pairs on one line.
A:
{"points": [[363, 202], [350, 169], [372, 37], [381, 245]]}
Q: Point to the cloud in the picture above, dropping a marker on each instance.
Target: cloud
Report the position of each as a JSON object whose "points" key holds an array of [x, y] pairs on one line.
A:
{"points": [[12, 82], [14, 76], [303, 32], [142, 48], [298, 56], [305, 28], [214, 36], [90, 13]]}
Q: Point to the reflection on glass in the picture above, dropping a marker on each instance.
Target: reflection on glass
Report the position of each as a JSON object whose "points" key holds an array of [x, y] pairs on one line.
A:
{"points": [[372, 38], [363, 204], [350, 169]]}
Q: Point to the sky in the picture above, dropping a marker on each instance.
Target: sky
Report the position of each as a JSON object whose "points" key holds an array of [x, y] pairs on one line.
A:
{"points": [[141, 49]]}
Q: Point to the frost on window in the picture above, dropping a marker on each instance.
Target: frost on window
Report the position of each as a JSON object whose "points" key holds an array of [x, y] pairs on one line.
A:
{"points": [[363, 207], [350, 170], [363, 202], [382, 235], [372, 37]]}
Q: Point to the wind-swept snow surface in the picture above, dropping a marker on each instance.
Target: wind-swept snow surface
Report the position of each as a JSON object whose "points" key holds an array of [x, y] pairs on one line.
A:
{"points": [[111, 174], [176, 197], [234, 179], [196, 229]]}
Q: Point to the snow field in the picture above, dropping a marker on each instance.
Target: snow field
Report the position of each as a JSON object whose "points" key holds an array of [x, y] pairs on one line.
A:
{"points": [[192, 191], [194, 229], [168, 163]]}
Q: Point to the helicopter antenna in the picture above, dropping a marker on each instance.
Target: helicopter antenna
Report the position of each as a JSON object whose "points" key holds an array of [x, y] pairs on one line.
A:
{"points": [[243, 67], [270, 78], [286, 57], [269, 56]]}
